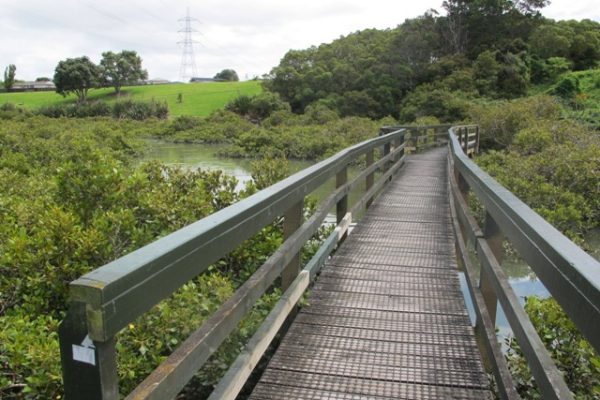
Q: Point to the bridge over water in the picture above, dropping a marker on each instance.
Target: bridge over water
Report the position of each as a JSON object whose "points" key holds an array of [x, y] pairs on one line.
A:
{"points": [[385, 316]]}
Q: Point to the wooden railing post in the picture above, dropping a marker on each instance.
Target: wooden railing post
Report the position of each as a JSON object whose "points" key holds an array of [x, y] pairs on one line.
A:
{"points": [[386, 150], [477, 139], [292, 220], [340, 179], [414, 134], [89, 368], [494, 237], [463, 187], [370, 180]]}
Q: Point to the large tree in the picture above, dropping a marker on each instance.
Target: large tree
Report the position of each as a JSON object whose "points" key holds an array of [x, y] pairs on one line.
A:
{"points": [[9, 76], [120, 69], [227, 75], [473, 26], [76, 75]]}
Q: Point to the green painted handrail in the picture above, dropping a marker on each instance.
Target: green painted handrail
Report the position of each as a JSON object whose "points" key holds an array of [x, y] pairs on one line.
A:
{"points": [[570, 274]]}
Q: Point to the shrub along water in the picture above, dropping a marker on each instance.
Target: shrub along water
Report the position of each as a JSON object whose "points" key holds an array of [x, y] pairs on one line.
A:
{"points": [[123, 109], [73, 197]]}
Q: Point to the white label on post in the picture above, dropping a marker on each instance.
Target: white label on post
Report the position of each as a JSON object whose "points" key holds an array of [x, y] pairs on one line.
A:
{"points": [[86, 352]]}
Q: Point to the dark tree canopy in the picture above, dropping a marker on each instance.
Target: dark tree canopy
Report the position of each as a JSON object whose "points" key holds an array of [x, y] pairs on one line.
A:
{"points": [[121, 69], [489, 48], [227, 75], [76, 75]]}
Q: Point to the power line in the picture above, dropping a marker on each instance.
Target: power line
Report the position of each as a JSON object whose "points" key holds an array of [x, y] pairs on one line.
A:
{"points": [[188, 62]]}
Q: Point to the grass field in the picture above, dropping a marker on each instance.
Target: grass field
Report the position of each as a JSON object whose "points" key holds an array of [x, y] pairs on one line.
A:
{"points": [[197, 98]]}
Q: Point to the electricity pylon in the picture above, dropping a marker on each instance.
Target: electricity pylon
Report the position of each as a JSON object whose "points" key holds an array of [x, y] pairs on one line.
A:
{"points": [[188, 68]]}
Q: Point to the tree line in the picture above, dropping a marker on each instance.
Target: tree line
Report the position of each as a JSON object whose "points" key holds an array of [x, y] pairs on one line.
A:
{"points": [[480, 48], [79, 75]]}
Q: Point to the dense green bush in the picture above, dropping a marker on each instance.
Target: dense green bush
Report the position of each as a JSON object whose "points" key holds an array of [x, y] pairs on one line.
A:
{"points": [[28, 357], [123, 109], [573, 355], [298, 140], [257, 107], [567, 88], [73, 197], [140, 110], [432, 101], [11, 111], [220, 127], [500, 121], [553, 167]]}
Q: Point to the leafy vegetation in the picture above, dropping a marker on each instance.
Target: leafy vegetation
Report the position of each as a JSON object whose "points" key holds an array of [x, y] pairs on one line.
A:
{"points": [[73, 197], [552, 165], [124, 109], [580, 94], [9, 76], [227, 75], [573, 355], [257, 107], [429, 65], [77, 76], [120, 69], [316, 134]]}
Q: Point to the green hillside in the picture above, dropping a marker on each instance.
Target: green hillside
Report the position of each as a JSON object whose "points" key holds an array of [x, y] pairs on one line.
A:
{"points": [[197, 99]]}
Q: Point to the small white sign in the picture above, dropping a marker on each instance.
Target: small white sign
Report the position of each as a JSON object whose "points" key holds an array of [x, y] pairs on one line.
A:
{"points": [[86, 352]]}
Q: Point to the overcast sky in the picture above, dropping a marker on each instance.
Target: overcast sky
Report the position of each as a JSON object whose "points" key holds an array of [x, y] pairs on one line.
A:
{"points": [[248, 36]]}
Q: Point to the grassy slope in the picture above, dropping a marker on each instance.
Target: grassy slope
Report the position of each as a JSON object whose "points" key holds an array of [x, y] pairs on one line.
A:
{"points": [[585, 107], [198, 99]]}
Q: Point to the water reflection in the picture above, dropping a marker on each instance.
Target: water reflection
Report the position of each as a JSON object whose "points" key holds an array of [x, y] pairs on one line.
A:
{"points": [[194, 156], [197, 156]]}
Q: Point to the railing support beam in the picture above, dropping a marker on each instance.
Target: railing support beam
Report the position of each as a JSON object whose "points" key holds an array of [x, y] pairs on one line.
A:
{"points": [[292, 220], [342, 205], [370, 180], [494, 237]]}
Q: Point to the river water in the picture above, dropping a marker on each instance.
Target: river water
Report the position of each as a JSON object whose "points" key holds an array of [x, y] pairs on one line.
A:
{"points": [[188, 155], [521, 277]]}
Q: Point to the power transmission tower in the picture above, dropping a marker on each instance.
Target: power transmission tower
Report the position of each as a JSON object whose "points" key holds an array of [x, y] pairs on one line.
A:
{"points": [[188, 62]]}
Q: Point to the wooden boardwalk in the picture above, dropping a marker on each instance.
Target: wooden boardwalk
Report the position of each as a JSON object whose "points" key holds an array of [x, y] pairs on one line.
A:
{"points": [[386, 318]]}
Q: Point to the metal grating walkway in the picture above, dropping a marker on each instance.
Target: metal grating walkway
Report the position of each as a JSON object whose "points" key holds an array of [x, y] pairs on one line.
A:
{"points": [[386, 318]]}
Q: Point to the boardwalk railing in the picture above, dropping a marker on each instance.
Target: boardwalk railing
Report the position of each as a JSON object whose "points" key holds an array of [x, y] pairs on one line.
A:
{"points": [[107, 299], [422, 137], [571, 276]]}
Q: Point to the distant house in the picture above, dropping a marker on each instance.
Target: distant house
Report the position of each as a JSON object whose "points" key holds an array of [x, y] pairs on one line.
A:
{"points": [[33, 86], [157, 81], [204, 80]]}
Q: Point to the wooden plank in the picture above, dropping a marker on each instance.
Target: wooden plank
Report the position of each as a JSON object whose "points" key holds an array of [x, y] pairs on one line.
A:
{"points": [[306, 383]]}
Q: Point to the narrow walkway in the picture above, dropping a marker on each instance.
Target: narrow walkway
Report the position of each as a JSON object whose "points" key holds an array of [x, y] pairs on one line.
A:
{"points": [[386, 318]]}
